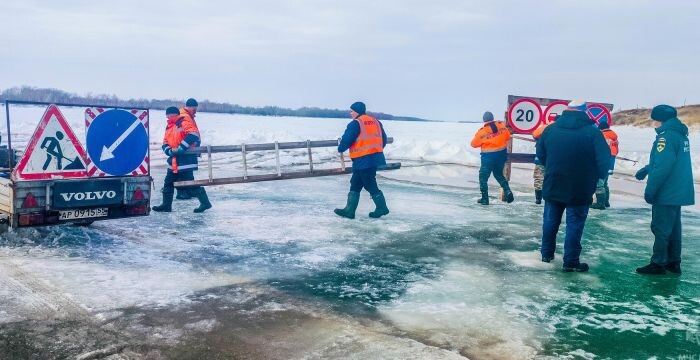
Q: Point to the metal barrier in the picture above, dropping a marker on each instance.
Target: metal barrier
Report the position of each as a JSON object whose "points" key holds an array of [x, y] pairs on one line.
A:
{"points": [[278, 175]]}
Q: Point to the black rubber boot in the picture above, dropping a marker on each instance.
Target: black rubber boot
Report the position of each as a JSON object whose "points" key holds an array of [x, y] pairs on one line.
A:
{"points": [[582, 267], [509, 196], [607, 197], [652, 269], [538, 197], [599, 203], [349, 210], [167, 205], [380, 203], [484, 198], [674, 267], [204, 203]]}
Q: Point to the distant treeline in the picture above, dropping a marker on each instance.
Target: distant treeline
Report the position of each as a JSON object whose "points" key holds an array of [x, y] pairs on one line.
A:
{"points": [[28, 93]]}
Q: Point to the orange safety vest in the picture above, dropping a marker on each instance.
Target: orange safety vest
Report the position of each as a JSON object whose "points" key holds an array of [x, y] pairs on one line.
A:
{"points": [[175, 132], [538, 132], [492, 137], [370, 139], [611, 139]]}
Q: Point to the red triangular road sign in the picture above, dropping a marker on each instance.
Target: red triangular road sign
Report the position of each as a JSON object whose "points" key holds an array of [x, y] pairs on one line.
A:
{"points": [[53, 152]]}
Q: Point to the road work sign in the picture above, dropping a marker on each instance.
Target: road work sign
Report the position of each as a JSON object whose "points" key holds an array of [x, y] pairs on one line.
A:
{"points": [[53, 151], [117, 142]]}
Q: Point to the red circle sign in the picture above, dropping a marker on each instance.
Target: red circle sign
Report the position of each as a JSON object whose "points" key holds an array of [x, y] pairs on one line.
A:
{"points": [[598, 113], [524, 116], [553, 110]]}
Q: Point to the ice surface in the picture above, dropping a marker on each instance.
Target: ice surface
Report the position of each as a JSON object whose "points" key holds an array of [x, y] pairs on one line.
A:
{"points": [[438, 273]]}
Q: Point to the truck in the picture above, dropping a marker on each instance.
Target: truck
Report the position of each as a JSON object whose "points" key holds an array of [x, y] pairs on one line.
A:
{"points": [[55, 180]]}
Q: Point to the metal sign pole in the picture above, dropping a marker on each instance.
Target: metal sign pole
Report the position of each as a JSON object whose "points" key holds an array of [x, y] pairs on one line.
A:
{"points": [[10, 163], [277, 158], [311, 160], [245, 163]]}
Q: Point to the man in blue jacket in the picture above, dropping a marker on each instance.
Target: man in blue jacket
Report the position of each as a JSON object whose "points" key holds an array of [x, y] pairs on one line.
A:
{"points": [[576, 158], [366, 139], [669, 186]]}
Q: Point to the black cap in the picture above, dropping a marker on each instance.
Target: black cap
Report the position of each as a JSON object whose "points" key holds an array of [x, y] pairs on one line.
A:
{"points": [[191, 103], [358, 107], [171, 110]]}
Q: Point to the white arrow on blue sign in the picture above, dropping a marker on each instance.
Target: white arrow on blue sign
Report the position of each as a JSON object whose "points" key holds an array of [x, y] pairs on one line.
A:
{"points": [[117, 142]]}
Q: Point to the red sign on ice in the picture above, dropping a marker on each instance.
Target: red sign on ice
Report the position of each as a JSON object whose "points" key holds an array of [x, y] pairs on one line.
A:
{"points": [[524, 116], [53, 152], [599, 113]]}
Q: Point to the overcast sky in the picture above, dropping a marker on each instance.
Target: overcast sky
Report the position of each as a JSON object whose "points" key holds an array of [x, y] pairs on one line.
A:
{"points": [[437, 59]]}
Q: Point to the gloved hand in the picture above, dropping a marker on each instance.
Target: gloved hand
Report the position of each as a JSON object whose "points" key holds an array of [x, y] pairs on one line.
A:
{"points": [[648, 198], [168, 151], [642, 173]]}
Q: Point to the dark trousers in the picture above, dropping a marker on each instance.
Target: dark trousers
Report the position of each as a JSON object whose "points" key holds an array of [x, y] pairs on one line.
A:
{"points": [[365, 178], [171, 178], [492, 164], [666, 226], [575, 221]]}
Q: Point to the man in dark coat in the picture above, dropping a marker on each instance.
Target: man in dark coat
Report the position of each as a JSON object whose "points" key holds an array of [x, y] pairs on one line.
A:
{"points": [[365, 138], [669, 186], [576, 157]]}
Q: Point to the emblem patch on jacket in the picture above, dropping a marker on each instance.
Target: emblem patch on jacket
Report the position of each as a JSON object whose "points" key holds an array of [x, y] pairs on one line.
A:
{"points": [[661, 144]]}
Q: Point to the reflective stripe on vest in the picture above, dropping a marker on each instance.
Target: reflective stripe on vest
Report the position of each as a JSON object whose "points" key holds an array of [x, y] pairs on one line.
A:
{"points": [[370, 139]]}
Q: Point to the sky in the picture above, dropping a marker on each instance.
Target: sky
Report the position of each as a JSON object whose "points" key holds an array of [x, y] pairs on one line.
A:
{"points": [[436, 59]]}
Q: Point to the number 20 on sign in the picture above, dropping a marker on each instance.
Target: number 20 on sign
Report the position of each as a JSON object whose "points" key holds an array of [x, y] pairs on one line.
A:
{"points": [[524, 116]]}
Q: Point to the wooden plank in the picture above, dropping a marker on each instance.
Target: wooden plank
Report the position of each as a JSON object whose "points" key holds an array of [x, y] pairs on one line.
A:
{"points": [[269, 146], [519, 158], [284, 176]]}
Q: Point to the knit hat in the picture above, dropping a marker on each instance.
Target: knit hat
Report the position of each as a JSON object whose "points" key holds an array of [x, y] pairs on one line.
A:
{"points": [[358, 107], [663, 113], [191, 103], [577, 105], [488, 116], [171, 110]]}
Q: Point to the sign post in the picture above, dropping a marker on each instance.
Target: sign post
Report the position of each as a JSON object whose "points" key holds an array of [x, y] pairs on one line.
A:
{"points": [[117, 142], [53, 151]]}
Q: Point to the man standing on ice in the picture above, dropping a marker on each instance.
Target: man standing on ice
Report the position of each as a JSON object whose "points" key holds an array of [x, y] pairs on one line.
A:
{"points": [[576, 158], [669, 186], [492, 138], [366, 139], [189, 111], [180, 134]]}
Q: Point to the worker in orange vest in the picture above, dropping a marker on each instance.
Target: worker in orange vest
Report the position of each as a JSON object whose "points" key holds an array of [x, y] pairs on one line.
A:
{"points": [[189, 112], [602, 193], [365, 138], [181, 133], [492, 138]]}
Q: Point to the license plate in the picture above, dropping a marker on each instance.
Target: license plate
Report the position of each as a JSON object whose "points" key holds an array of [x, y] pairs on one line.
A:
{"points": [[82, 213]]}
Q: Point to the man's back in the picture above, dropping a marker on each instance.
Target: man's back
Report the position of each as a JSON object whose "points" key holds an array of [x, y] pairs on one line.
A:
{"points": [[575, 156]]}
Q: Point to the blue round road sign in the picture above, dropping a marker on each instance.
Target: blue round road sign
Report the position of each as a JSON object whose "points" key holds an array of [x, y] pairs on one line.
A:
{"points": [[117, 142]]}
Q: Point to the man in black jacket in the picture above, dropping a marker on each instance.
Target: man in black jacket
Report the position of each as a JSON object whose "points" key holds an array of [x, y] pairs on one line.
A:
{"points": [[670, 186], [576, 157]]}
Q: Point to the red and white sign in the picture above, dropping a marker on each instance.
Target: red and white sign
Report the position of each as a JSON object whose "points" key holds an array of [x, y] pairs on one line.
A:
{"points": [[553, 110], [524, 116], [599, 113], [53, 151]]}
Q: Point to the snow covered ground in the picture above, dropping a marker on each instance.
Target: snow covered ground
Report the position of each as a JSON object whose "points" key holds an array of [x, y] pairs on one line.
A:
{"points": [[271, 272]]}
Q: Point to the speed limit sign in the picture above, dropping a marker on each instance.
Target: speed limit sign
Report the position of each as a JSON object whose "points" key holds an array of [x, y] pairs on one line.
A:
{"points": [[524, 116]]}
